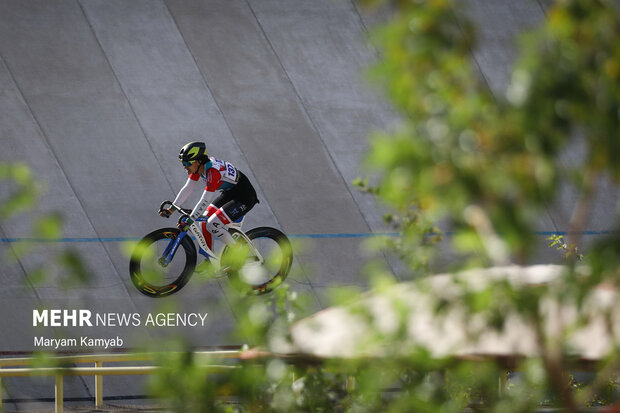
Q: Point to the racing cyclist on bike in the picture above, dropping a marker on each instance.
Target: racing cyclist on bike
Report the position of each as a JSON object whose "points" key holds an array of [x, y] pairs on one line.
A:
{"points": [[237, 195]]}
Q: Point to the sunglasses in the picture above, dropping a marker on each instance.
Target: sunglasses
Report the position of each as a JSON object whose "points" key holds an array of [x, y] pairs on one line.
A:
{"points": [[188, 164]]}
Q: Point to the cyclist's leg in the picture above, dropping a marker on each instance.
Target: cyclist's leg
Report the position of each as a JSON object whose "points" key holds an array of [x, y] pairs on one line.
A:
{"points": [[215, 227], [220, 200], [229, 207], [217, 224], [220, 218]]}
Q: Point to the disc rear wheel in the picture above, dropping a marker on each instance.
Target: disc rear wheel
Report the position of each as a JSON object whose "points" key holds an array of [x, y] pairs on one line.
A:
{"points": [[260, 275]]}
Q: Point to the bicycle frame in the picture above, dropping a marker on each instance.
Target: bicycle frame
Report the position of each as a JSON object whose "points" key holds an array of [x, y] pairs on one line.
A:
{"points": [[199, 230]]}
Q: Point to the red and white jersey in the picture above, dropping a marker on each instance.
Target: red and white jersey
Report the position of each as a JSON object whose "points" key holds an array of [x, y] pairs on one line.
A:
{"points": [[218, 175]]}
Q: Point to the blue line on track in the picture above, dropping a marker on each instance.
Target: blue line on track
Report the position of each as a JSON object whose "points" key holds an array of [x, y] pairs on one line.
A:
{"points": [[294, 236]]}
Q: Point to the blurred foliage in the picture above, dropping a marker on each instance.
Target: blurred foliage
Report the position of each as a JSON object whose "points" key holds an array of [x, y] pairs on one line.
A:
{"points": [[24, 193], [483, 165], [20, 198], [489, 164], [557, 241]]}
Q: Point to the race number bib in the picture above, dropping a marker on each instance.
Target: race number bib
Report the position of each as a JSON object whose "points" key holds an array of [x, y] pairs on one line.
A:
{"points": [[227, 171]]}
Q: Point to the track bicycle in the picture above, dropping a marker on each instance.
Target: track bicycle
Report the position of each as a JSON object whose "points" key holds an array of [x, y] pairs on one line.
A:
{"points": [[164, 260]]}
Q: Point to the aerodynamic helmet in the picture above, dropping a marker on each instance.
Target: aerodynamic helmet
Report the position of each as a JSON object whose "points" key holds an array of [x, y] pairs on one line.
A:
{"points": [[192, 152]]}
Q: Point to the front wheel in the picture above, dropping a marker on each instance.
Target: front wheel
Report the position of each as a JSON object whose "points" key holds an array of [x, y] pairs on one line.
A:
{"points": [[150, 273], [260, 276]]}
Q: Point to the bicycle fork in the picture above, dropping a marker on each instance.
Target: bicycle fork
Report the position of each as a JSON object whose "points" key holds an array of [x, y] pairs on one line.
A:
{"points": [[171, 249]]}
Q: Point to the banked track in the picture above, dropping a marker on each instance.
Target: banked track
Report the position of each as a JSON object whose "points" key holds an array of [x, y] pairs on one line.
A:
{"points": [[97, 96]]}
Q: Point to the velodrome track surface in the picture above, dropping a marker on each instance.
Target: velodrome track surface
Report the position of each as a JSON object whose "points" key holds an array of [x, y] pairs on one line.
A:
{"points": [[97, 96]]}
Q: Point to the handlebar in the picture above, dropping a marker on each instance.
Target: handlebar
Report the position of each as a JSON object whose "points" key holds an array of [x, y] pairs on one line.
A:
{"points": [[183, 211], [165, 203]]}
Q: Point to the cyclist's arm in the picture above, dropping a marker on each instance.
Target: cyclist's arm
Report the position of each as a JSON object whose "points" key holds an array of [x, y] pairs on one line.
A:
{"points": [[213, 183], [202, 205], [186, 190]]}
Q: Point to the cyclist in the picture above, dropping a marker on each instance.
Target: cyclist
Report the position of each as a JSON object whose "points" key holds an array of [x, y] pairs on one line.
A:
{"points": [[237, 195]]}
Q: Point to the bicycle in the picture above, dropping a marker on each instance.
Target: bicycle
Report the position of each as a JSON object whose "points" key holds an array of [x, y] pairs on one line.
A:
{"points": [[157, 268]]}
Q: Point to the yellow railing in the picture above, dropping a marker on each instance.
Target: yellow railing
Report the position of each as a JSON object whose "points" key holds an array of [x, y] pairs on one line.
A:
{"points": [[98, 370]]}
